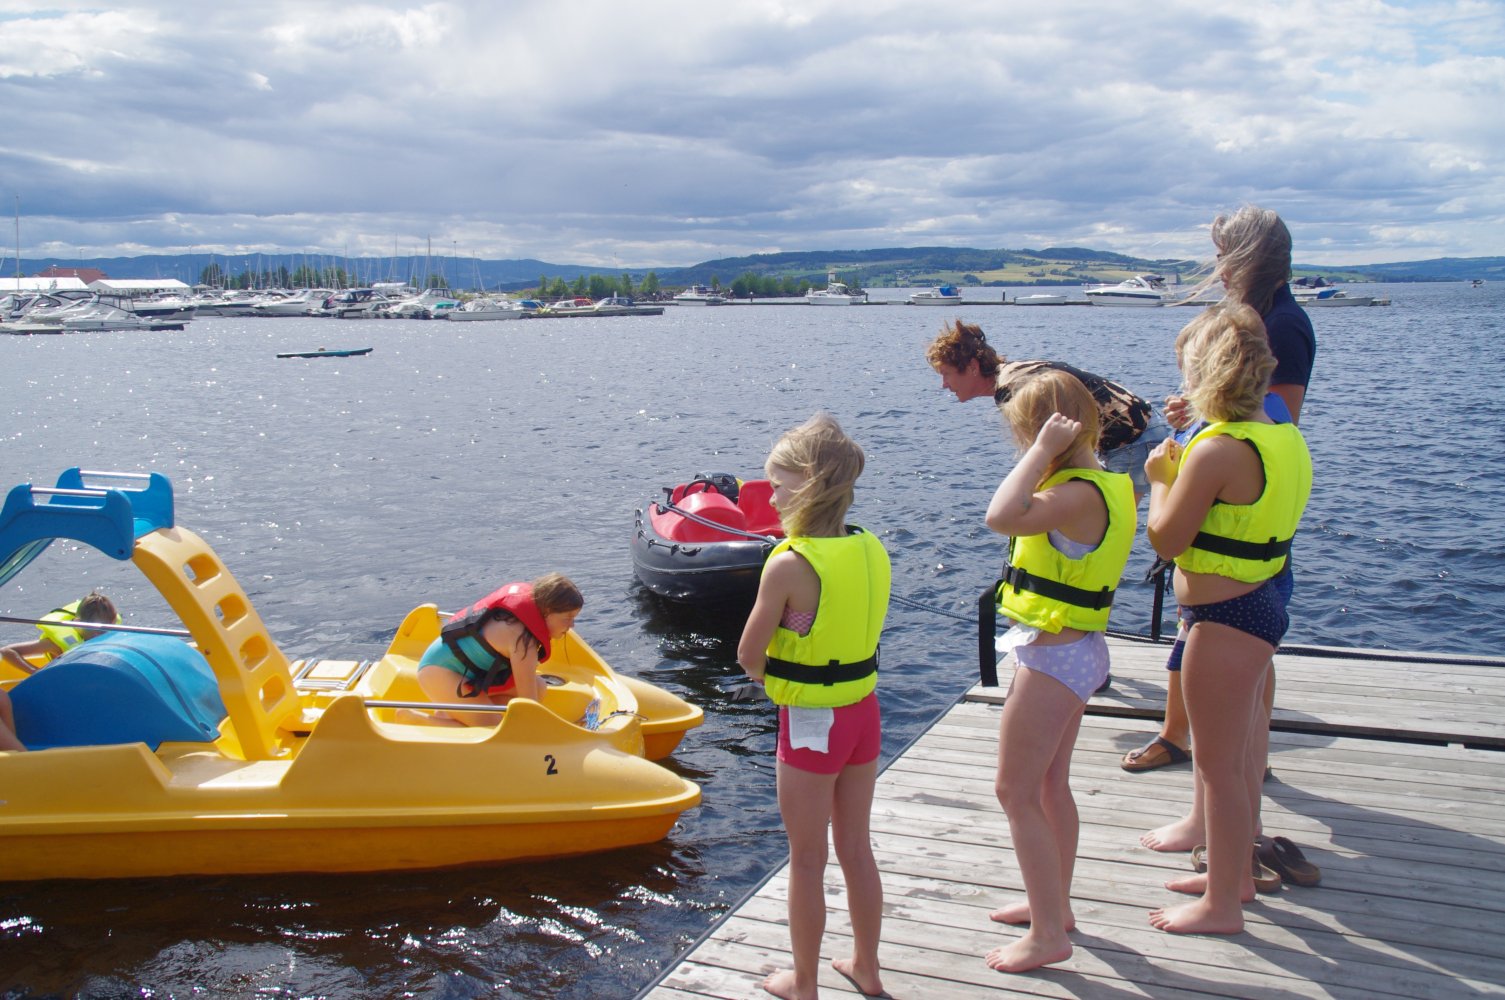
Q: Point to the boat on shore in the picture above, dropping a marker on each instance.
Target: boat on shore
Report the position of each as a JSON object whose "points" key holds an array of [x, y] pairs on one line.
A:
{"points": [[1141, 291], [706, 542], [154, 757]]}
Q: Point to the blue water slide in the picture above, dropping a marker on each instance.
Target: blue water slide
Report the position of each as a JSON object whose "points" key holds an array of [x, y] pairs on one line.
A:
{"points": [[108, 518], [120, 689]]}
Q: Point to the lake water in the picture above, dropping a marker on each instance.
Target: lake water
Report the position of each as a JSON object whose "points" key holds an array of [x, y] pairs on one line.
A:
{"points": [[342, 492]]}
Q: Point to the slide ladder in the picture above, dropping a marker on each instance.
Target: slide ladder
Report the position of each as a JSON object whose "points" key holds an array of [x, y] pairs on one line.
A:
{"points": [[135, 522]]}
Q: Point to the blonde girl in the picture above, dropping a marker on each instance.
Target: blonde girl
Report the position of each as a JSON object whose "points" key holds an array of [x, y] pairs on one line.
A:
{"points": [[1071, 525], [812, 641], [1225, 507]]}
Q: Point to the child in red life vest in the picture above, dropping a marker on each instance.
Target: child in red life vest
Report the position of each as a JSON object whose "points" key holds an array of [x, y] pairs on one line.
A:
{"points": [[490, 652]]}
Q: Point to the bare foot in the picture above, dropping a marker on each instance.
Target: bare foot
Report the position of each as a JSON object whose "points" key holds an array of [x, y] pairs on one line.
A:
{"points": [[781, 984], [1181, 835], [1029, 952], [1018, 914], [866, 981], [1196, 885], [1196, 917]]}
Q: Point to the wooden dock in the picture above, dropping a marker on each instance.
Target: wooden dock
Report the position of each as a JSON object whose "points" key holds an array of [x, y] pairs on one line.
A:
{"points": [[1389, 773]]}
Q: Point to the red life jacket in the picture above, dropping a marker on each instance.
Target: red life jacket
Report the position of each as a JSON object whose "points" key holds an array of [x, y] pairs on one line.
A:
{"points": [[517, 600]]}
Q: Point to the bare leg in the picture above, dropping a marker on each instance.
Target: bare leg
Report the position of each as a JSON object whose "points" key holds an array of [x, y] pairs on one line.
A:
{"points": [[1188, 831], [1176, 727], [1224, 670], [806, 800], [1061, 813], [8, 739], [854, 850], [1040, 720]]}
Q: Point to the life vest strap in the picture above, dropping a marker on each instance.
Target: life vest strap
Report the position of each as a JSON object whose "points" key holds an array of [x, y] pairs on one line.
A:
{"points": [[476, 677], [823, 676], [1239, 548], [1021, 579]]}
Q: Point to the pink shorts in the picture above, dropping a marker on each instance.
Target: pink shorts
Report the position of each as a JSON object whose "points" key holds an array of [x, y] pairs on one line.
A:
{"points": [[856, 737]]}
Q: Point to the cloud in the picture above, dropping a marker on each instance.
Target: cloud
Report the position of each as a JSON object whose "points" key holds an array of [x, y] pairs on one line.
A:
{"points": [[668, 132]]}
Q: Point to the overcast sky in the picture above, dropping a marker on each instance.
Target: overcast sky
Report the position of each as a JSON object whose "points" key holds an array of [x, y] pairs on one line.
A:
{"points": [[663, 132]]}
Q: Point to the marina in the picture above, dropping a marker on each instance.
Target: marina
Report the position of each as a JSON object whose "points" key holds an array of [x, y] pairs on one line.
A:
{"points": [[1394, 793], [338, 492]]}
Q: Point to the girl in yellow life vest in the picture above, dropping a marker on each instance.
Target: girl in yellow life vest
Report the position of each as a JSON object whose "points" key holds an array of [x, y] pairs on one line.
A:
{"points": [[812, 640], [62, 631], [1071, 525], [1225, 508]]}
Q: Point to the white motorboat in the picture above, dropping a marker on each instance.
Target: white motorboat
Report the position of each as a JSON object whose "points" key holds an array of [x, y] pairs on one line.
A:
{"points": [[215, 302], [485, 309], [834, 294], [1142, 290], [699, 295], [354, 303], [943, 295], [96, 317], [1327, 295], [297, 304], [1041, 299], [157, 309], [428, 304]]}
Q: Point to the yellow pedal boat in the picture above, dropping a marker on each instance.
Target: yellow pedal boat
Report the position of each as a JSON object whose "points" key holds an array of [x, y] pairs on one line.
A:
{"points": [[307, 766]]}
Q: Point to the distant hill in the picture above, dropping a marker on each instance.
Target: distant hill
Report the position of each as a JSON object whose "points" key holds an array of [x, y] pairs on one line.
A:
{"points": [[893, 266]]}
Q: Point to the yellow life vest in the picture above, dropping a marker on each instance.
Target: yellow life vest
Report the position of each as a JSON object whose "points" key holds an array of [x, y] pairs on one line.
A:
{"points": [[1250, 542], [1044, 588], [63, 636], [837, 662]]}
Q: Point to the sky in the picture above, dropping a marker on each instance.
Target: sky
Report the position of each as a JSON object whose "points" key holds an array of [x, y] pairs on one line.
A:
{"points": [[665, 133]]}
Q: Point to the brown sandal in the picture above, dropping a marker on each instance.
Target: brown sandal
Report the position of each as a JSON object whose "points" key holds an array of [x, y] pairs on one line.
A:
{"points": [[1159, 752], [1266, 880], [1285, 858]]}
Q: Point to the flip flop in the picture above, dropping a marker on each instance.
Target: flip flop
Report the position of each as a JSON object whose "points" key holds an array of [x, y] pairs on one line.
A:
{"points": [[1284, 857], [1266, 881], [1165, 753]]}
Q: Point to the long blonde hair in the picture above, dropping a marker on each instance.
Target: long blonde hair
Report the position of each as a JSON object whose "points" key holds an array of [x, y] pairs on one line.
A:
{"points": [[1254, 257], [1225, 359], [1048, 392], [821, 451]]}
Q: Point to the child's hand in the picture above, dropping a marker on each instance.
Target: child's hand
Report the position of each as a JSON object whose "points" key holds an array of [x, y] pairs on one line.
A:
{"points": [[1178, 413], [1057, 434], [1163, 463]]}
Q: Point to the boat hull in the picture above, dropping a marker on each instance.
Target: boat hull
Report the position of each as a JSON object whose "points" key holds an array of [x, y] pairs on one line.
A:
{"points": [[1132, 301], [699, 572], [153, 757]]}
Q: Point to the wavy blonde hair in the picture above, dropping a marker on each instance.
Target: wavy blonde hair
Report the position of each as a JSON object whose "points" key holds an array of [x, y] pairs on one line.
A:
{"points": [[1226, 362], [1034, 400], [1254, 257], [831, 462]]}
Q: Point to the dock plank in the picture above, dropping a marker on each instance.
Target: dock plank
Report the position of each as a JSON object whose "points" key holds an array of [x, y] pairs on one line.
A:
{"points": [[1384, 775]]}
